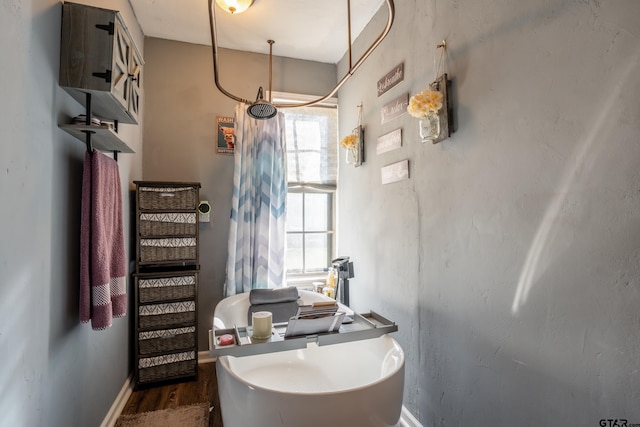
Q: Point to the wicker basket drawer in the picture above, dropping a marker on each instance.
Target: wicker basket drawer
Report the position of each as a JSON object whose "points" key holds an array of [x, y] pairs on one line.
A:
{"points": [[168, 224], [151, 289], [167, 315], [174, 197], [167, 366], [167, 340], [178, 249]]}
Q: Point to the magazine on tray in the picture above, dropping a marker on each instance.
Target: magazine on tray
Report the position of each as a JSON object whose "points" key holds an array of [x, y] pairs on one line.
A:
{"points": [[315, 318]]}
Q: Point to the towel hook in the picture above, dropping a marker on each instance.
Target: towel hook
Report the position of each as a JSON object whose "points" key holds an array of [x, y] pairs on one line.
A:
{"points": [[87, 140]]}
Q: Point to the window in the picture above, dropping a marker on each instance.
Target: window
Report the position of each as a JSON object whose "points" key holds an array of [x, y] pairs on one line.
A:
{"points": [[309, 230], [312, 150]]}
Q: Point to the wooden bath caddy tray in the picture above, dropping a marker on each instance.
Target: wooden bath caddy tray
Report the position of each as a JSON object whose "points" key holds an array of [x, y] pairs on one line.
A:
{"points": [[357, 327]]}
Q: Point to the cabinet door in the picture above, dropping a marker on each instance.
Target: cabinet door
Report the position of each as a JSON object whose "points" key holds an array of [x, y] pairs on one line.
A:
{"points": [[86, 48], [135, 80], [120, 81]]}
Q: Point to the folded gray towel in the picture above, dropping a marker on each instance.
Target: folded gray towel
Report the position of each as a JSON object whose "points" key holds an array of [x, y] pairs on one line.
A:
{"points": [[271, 296]]}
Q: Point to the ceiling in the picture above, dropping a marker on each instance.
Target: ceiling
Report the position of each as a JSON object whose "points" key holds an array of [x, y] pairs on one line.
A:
{"points": [[314, 30]]}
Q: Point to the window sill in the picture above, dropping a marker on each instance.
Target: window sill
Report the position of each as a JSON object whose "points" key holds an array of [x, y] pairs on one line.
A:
{"points": [[306, 282]]}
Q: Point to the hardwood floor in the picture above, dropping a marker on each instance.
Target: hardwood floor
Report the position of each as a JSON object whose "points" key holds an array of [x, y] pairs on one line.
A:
{"points": [[205, 389]]}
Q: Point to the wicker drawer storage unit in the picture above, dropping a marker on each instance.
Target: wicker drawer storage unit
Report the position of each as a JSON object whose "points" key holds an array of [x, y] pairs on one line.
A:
{"points": [[166, 332]]}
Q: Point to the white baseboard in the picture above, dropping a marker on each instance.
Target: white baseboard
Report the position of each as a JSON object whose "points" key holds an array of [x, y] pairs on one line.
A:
{"points": [[119, 403], [407, 419]]}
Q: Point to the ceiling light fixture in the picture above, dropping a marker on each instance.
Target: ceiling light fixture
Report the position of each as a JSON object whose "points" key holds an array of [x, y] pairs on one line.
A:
{"points": [[234, 6], [352, 66]]}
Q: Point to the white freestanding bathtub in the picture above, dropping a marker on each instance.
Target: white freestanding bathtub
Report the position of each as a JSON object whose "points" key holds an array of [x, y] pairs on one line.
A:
{"points": [[352, 384]]}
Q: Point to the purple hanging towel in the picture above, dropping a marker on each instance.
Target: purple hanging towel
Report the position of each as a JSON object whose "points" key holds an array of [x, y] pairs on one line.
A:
{"points": [[102, 257]]}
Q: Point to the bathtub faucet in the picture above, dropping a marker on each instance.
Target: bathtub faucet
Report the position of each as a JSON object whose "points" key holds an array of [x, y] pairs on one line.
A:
{"points": [[344, 268]]}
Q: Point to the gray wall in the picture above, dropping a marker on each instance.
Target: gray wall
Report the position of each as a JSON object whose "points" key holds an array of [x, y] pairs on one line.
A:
{"points": [[181, 106], [55, 371], [510, 258]]}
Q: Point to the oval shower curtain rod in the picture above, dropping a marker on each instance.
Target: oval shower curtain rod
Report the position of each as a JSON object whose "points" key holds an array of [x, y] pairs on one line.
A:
{"points": [[350, 72]]}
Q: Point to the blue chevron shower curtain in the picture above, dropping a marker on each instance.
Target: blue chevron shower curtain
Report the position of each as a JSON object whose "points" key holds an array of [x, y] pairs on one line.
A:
{"points": [[257, 231]]}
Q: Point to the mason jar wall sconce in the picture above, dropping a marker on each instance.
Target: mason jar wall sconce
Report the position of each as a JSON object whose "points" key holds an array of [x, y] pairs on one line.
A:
{"points": [[432, 106]]}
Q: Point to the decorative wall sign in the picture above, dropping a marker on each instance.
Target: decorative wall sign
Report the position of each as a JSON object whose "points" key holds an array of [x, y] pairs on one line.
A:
{"points": [[395, 108], [391, 79], [390, 141], [395, 172], [226, 135]]}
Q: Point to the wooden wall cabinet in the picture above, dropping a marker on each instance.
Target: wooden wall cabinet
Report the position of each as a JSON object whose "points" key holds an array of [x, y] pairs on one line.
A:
{"points": [[98, 56], [166, 281], [101, 68]]}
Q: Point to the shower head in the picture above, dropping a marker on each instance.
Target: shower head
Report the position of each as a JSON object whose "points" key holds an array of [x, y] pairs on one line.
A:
{"points": [[261, 109]]}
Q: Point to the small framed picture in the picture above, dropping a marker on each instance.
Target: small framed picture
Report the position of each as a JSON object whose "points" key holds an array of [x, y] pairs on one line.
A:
{"points": [[226, 135]]}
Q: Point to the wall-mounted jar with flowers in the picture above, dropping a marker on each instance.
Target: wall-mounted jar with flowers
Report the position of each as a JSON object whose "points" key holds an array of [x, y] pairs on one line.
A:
{"points": [[425, 106], [354, 143], [351, 143], [431, 106]]}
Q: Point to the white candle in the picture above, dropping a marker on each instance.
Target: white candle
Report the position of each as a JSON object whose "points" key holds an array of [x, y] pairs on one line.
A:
{"points": [[261, 321]]}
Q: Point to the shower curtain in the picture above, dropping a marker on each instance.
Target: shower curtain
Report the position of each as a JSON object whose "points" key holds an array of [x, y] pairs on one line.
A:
{"points": [[257, 231]]}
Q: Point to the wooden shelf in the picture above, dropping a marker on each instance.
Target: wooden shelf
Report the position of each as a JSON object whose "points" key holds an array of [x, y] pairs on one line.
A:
{"points": [[102, 138]]}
